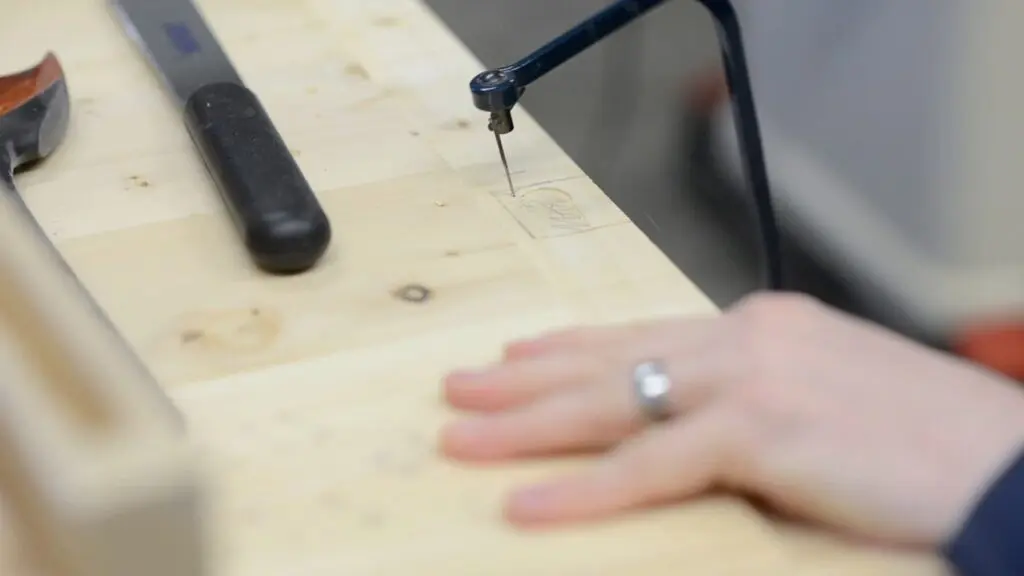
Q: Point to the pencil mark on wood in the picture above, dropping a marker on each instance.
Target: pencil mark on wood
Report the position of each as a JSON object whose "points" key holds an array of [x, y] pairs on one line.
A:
{"points": [[387, 22], [382, 96], [322, 436], [333, 499], [524, 189], [356, 70], [548, 183], [317, 24], [241, 330], [86, 106], [246, 428], [457, 125], [545, 212], [497, 246], [285, 418], [371, 519]]}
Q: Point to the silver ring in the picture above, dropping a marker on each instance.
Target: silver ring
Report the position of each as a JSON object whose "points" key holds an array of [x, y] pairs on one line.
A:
{"points": [[652, 387]]}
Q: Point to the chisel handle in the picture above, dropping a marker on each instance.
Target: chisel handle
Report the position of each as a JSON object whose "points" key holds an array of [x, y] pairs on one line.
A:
{"points": [[274, 208]]}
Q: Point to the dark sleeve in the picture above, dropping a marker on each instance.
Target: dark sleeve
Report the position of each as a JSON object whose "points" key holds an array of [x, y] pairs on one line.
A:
{"points": [[991, 542]]}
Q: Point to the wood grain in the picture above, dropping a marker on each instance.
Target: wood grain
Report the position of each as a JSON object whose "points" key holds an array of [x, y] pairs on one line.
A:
{"points": [[315, 398]]}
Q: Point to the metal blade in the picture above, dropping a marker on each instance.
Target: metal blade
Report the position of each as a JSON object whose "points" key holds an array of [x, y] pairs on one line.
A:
{"points": [[177, 42], [504, 162]]}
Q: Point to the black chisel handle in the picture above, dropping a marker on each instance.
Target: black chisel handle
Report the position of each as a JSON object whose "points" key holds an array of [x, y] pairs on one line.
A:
{"points": [[277, 213]]}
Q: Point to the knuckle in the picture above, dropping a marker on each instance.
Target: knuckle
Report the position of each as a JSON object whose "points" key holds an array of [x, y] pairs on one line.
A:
{"points": [[757, 397], [765, 320], [770, 333], [775, 307], [604, 426], [607, 414], [770, 407]]}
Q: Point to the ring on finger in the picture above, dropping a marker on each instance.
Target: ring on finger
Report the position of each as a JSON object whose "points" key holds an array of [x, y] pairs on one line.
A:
{"points": [[652, 389]]}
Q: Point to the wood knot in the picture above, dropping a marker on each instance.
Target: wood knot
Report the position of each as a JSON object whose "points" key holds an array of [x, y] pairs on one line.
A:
{"points": [[413, 293]]}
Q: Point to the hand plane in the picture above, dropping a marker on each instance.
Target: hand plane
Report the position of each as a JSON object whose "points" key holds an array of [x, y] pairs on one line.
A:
{"points": [[498, 91]]}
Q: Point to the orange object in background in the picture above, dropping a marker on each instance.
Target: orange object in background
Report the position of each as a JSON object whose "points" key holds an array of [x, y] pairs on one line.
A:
{"points": [[17, 89], [996, 346]]}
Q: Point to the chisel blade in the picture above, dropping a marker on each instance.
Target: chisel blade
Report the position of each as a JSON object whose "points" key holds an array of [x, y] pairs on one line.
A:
{"points": [[178, 44]]}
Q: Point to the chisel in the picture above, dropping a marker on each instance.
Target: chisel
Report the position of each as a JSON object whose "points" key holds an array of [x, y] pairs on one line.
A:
{"points": [[270, 201]]}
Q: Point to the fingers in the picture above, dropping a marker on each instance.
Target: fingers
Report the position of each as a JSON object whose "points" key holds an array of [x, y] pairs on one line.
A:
{"points": [[572, 390], [515, 384], [599, 338], [534, 369], [597, 414], [680, 460], [591, 338], [581, 418]]}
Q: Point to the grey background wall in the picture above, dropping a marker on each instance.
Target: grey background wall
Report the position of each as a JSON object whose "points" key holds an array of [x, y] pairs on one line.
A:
{"points": [[616, 110]]}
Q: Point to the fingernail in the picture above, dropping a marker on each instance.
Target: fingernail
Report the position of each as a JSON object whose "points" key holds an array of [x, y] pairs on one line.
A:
{"points": [[467, 428], [532, 501], [467, 439], [537, 496]]}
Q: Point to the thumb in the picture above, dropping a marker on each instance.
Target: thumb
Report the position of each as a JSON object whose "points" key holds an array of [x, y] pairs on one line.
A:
{"points": [[682, 458]]}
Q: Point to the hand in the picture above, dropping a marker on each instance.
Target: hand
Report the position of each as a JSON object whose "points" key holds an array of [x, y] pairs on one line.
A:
{"points": [[824, 416]]}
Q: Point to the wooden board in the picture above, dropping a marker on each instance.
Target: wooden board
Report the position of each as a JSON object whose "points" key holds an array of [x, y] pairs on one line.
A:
{"points": [[315, 398]]}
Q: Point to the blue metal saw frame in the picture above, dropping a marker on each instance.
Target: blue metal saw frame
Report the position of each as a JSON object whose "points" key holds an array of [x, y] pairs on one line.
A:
{"points": [[498, 91]]}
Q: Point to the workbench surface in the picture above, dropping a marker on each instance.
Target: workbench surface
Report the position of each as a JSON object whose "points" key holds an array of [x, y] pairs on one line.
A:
{"points": [[314, 398]]}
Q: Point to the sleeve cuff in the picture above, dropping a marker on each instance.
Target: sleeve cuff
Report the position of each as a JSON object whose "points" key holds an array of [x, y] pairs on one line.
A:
{"points": [[991, 542]]}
